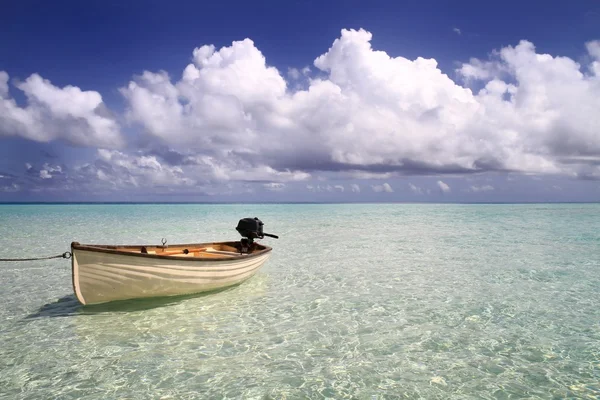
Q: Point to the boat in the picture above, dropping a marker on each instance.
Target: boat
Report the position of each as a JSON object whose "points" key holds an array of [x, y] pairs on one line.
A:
{"points": [[107, 273]]}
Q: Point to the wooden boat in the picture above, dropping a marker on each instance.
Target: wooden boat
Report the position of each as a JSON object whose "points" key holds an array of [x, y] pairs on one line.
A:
{"points": [[104, 273]]}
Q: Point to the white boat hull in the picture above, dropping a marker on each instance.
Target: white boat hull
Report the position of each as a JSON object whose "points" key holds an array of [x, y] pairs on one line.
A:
{"points": [[100, 277]]}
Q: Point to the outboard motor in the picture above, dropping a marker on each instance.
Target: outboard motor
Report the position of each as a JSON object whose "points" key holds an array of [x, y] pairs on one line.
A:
{"points": [[250, 229]]}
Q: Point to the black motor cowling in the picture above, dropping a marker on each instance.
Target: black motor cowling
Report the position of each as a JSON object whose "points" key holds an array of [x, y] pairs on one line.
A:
{"points": [[252, 228]]}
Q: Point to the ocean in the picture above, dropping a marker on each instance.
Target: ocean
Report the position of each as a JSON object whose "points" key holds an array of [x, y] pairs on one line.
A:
{"points": [[358, 301]]}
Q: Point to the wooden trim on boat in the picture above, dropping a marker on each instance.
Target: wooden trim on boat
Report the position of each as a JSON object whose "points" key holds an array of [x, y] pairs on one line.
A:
{"points": [[115, 249]]}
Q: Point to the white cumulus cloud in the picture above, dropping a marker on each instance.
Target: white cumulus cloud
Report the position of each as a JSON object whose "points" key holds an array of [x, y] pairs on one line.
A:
{"points": [[415, 189], [68, 113], [483, 188], [370, 111], [274, 186], [528, 112], [443, 186], [126, 170], [354, 188], [3, 85], [294, 73], [11, 188], [382, 188]]}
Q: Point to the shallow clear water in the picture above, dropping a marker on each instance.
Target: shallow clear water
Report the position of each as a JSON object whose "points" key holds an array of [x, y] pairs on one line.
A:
{"points": [[357, 301]]}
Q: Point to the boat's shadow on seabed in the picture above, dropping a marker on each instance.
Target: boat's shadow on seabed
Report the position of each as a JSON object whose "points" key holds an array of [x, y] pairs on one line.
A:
{"points": [[69, 306]]}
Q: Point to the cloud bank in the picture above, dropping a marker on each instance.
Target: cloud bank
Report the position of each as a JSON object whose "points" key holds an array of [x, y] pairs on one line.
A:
{"points": [[232, 117]]}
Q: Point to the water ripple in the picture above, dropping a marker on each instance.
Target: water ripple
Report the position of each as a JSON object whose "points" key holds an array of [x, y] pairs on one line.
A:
{"points": [[361, 302]]}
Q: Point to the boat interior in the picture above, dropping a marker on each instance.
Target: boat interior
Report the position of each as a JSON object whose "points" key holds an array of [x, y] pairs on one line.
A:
{"points": [[202, 250]]}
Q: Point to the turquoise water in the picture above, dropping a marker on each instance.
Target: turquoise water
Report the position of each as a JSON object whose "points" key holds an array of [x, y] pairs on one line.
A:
{"points": [[357, 301]]}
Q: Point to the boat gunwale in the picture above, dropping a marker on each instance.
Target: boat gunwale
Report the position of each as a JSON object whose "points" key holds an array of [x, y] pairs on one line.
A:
{"points": [[108, 249]]}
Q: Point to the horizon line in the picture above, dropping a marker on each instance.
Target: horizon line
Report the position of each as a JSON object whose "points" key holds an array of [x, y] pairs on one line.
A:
{"points": [[280, 202]]}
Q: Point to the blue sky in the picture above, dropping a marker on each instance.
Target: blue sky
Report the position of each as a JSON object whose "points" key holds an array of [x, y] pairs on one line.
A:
{"points": [[328, 101]]}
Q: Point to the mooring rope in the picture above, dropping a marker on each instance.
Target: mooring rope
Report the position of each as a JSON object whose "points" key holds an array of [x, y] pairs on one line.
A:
{"points": [[66, 255]]}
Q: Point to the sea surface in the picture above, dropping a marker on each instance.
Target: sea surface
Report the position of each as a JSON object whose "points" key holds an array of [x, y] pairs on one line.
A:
{"points": [[358, 301]]}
